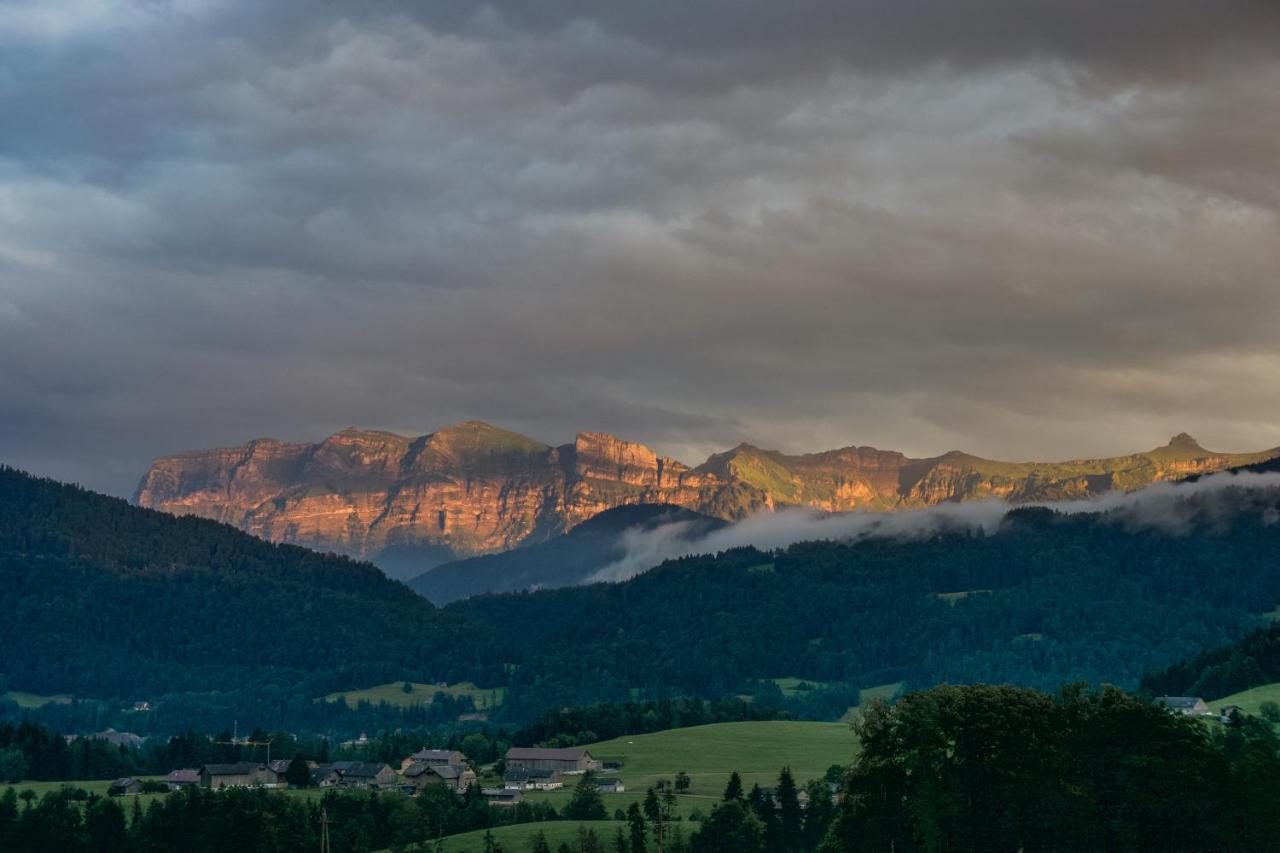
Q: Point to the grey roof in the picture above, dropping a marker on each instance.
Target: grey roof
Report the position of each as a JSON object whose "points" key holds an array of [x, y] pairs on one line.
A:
{"points": [[1179, 701], [444, 771], [116, 738], [184, 775], [363, 769], [501, 793], [520, 773], [446, 756], [244, 768], [573, 753], [124, 782]]}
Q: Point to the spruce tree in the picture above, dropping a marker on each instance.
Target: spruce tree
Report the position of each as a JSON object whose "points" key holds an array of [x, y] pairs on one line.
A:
{"points": [[635, 818], [789, 814]]}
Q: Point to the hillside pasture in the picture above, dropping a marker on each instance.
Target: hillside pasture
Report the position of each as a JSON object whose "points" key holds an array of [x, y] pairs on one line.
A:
{"points": [[1250, 700], [519, 838], [421, 694], [34, 700], [709, 754]]}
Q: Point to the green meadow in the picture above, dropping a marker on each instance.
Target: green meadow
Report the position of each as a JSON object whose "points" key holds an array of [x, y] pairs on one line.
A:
{"points": [[393, 694], [709, 754]]}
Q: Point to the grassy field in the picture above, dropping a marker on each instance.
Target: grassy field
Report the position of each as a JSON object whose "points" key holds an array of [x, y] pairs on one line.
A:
{"points": [[1250, 700], [953, 597], [789, 686], [99, 786], [393, 694], [34, 700], [519, 838], [868, 695], [757, 750]]}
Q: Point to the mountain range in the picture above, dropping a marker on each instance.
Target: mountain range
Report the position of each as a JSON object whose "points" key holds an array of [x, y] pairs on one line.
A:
{"points": [[474, 489]]}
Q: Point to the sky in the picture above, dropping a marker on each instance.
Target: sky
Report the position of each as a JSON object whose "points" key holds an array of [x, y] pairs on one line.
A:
{"points": [[1028, 230]]}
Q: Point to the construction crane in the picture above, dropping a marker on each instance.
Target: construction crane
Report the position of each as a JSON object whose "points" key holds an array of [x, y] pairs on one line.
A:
{"points": [[237, 741]]}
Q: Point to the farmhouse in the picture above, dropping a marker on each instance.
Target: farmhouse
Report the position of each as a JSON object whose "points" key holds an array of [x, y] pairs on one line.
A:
{"points": [[568, 761], [1192, 706], [178, 779], [537, 779], [242, 775], [435, 757], [113, 737], [501, 796], [126, 786], [610, 786], [366, 774], [456, 777]]}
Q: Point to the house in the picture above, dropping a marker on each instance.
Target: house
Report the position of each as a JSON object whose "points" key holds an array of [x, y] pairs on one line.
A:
{"points": [[1226, 712], [280, 767], [537, 779], [179, 779], [142, 706], [457, 777], [324, 776], [115, 738], [241, 775], [366, 774], [435, 757], [610, 786], [568, 761], [122, 787], [1192, 706], [501, 796]]}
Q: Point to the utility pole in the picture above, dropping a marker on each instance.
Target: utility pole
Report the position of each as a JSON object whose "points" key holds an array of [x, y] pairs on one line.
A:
{"points": [[324, 831]]}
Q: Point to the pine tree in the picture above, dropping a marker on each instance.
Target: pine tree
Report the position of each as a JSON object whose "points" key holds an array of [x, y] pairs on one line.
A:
{"points": [[586, 804], [491, 844], [635, 818], [789, 814], [298, 774], [733, 791], [540, 844]]}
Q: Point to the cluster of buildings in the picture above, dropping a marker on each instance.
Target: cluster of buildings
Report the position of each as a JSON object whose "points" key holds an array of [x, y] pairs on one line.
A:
{"points": [[527, 769], [1194, 706]]}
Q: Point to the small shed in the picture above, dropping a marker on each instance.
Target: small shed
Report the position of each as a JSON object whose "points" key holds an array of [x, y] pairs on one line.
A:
{"points": [[126, 786]]}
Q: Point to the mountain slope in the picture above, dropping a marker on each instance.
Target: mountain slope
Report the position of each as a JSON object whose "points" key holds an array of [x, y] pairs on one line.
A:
{"points": [[98, 595], [566, 560], [1049, 598], [475, 489]]}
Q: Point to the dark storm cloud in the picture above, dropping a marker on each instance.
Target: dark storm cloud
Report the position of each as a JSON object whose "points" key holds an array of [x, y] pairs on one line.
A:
{"points": [[1026, 229]]}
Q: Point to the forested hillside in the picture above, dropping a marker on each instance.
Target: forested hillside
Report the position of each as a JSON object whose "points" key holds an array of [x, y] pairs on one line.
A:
{"points": [[1253, 661], [1049, 598], [566, 560], [104, 599], [107, 600]]}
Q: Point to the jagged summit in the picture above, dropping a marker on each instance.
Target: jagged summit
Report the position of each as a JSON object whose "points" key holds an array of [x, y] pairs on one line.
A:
{"points": [[475, 488], [1183, 441]]}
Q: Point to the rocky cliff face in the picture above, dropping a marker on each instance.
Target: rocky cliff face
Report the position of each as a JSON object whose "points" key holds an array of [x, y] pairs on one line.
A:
{"points": [[474, 489]]}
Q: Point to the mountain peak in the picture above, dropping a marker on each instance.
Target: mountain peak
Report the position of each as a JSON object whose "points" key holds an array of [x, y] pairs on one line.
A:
{"points": [[1183, 441]]}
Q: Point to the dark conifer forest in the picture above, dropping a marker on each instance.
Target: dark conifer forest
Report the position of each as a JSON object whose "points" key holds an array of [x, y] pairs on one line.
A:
{"points": [[108, 601]]}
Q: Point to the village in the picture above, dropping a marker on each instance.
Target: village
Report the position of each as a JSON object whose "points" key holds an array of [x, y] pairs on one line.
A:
{"points": [[524, 769]]}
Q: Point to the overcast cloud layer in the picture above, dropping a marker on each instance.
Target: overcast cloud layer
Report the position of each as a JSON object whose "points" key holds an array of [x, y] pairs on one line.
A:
{"points": [[1024, 229]]}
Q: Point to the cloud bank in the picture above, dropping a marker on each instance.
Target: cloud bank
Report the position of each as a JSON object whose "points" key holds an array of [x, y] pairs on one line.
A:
{"points": [[1026, 229], [1171, 508]]}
